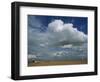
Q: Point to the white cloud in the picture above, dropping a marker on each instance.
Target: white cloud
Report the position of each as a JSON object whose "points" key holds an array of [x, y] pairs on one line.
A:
{"points": [[55, 26], [65, 32]]}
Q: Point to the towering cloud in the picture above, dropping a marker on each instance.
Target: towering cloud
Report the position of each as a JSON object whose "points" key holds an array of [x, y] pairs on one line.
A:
{"points": [[65, 32]]}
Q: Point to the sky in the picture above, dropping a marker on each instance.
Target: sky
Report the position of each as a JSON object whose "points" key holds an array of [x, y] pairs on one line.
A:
{"points": [[41, 22], [48, 32]]}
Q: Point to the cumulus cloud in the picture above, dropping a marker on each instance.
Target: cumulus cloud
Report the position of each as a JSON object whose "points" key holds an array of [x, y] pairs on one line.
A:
{"points": [[55, 26], [65, 33]]}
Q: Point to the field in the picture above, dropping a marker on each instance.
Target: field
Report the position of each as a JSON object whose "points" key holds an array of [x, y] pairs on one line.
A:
{"points": [[50, 63]]}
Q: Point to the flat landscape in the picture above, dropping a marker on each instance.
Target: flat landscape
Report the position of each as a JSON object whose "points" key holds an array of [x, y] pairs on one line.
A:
{"points": [[50, 63]]}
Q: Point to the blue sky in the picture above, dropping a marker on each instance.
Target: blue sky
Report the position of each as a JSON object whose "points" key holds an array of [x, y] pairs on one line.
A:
{"points": [[57, 37], [41, 22]]}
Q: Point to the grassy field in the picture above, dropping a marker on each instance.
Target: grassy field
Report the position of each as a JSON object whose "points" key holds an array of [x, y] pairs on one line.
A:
{"points": [[50, 63]]}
